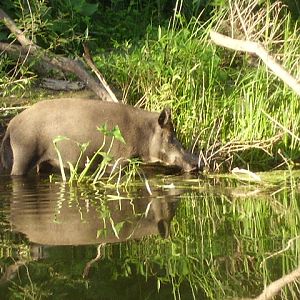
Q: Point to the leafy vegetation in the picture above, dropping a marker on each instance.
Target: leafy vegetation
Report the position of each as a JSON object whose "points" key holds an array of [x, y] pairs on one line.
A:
{"points": [[224, 103], [110, 172], [217, 96]]}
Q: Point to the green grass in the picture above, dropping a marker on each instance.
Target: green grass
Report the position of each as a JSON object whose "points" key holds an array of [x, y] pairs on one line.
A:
{"points": [[217, 95]]}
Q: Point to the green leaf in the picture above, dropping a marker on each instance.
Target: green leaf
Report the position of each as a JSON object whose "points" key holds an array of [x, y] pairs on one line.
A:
{"points": [[88, 9], [83, 146], [103, 129], [117, 134], [118, 227]]}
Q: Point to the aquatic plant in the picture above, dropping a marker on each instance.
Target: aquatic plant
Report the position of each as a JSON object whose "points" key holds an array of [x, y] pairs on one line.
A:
{"points": [[117, 172], [82, 175]]}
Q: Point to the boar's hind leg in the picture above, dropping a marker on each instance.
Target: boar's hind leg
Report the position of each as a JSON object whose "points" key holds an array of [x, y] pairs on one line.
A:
{"points": [[24, 160]]}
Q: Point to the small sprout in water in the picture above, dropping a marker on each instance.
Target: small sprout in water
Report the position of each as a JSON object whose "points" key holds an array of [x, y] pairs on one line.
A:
{"points": [[83, 146], [103, 129]]}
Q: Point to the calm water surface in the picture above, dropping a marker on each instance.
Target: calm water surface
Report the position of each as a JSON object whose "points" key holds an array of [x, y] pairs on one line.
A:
{"points": [[193, 238]]}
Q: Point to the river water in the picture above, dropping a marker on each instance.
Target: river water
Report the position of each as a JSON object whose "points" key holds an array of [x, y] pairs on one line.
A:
{"points": [[180, 238]]}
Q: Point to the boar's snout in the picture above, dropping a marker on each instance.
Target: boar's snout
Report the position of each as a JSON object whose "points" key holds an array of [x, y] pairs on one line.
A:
{"points": [[189, 163]]}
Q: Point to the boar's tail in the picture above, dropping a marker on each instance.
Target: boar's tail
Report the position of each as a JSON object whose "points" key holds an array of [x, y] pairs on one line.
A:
{"points": [[6, 154]]}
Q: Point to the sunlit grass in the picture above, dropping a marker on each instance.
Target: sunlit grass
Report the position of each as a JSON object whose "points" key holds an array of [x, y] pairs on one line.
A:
{"points": [[217, 96]]}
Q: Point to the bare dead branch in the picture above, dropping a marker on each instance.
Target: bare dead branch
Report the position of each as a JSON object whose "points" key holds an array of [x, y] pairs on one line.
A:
{"points": [[76, 67], [46, 58], [10, 24], [14, 108], [15, 50], [63, 63], [91, 64], [62, 85], [259, 50]]}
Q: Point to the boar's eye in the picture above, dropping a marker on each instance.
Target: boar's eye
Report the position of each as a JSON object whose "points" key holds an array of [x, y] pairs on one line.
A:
{"points": [[167, 136], [173, 138]]}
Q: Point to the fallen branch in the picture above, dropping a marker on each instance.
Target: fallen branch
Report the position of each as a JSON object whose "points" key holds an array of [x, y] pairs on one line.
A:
{"points": [[89, 61], [10, 24], [259, 50], [14, 108], [54, 61], [46, 59], [62, 85]]}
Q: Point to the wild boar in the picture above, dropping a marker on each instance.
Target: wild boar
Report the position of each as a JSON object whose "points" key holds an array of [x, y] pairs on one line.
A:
{"points": [[150, 136]]}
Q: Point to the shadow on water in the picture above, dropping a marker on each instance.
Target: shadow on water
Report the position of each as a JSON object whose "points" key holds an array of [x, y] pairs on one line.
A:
{"points": [[191, 239]]}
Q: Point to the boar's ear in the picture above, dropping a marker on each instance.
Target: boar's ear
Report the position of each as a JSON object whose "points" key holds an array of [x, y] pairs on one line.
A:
{"points": [[164, 118]]}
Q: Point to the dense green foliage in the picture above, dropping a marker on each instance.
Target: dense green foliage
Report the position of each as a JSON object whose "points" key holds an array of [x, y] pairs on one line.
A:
{"points": [[159, 53]]}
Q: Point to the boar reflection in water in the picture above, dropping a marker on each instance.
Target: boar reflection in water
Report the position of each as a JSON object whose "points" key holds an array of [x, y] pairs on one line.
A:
{"points": [[69, 221], [150, 136]]}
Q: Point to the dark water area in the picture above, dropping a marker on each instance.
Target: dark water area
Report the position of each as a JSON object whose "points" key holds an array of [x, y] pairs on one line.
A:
{"points": [[191, 239]]}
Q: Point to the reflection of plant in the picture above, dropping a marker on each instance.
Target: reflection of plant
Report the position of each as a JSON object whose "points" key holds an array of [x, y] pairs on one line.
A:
{"points": [[30, 291], [222, 236]]}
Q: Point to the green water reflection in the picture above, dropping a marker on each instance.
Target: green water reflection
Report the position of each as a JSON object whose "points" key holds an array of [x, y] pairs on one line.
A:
{"points": [[214, 238]]}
